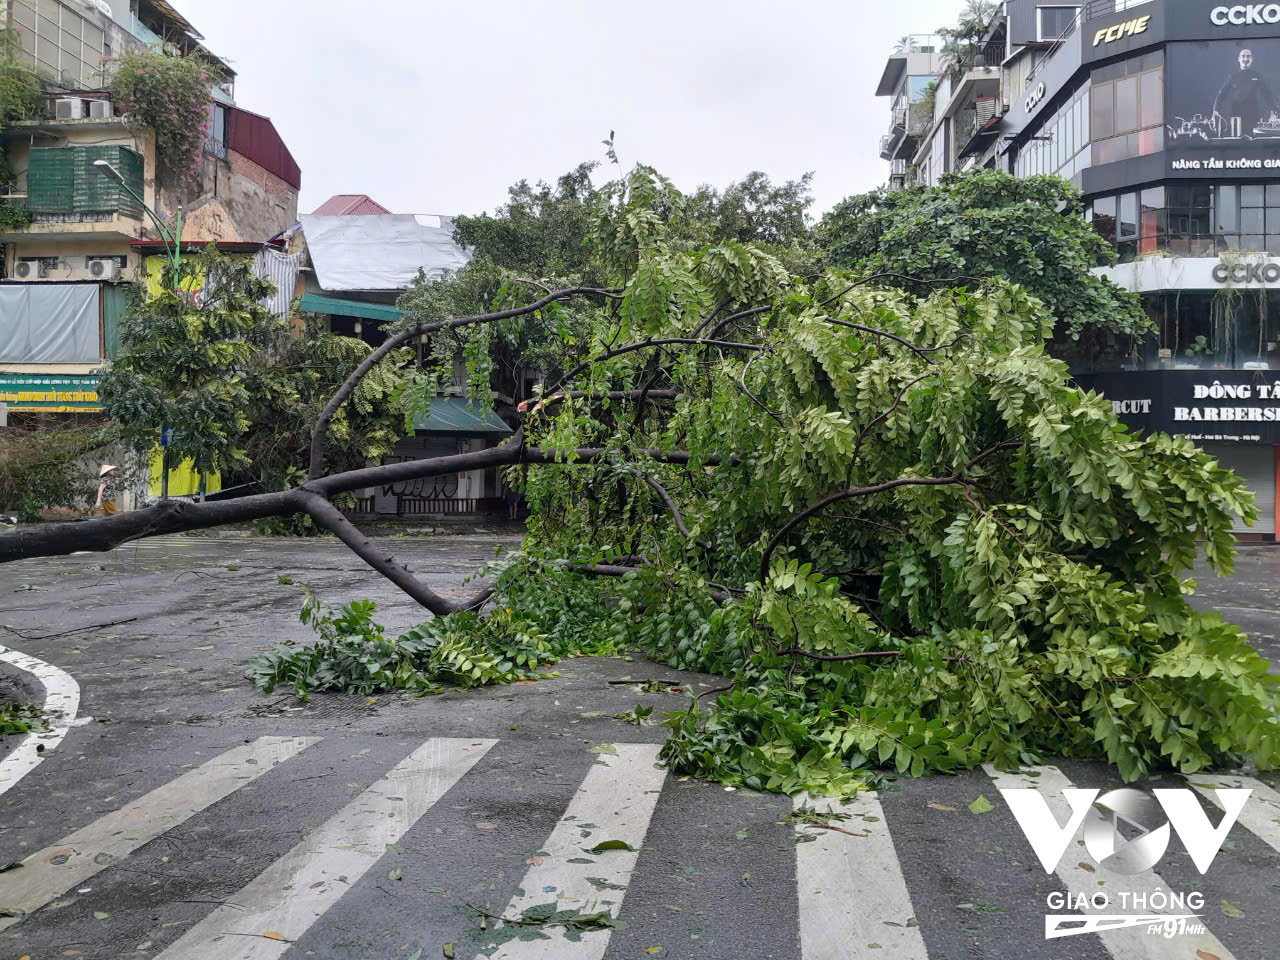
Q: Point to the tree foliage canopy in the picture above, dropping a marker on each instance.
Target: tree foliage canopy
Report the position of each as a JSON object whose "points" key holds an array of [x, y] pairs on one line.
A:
{"points": [[238, 389], [986, 225], [994, 575]]}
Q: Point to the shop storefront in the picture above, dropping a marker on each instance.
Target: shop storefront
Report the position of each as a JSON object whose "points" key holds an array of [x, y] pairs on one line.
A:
{"points": [[1233, 415]]}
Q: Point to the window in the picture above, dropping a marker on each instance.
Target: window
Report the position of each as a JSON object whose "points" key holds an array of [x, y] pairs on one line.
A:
{"points": [[1060, 145], [917, 86], [1054, 22], [59, 43], [215, 143], [1127, 114], [1199, 220]]}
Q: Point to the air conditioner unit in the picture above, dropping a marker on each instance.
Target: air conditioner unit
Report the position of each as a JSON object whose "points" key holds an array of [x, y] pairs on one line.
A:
{"points": [[101, 109], [29, 270], [104, 268], [69, 108]]}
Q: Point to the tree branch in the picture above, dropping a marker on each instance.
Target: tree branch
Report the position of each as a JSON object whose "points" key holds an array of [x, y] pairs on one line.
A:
{"points": [[177, 516], [316, 469], [839, 657], [799, 518], [662, 492], [333, 520], [865, 430]]}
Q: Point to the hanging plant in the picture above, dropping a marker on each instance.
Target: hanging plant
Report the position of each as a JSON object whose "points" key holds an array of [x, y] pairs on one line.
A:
{"points": [[171, 96]]}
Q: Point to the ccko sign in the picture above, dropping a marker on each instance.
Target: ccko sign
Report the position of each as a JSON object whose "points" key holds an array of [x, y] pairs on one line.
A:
{"points": [[1245, 13], [1036, 96]]}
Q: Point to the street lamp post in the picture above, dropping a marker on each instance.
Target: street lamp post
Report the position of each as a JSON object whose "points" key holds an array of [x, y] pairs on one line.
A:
{"points": [[172, 247], [170, 240]]}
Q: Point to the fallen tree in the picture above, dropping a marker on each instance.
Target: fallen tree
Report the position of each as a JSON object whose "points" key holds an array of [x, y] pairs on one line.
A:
{"points": [[889, 520]]}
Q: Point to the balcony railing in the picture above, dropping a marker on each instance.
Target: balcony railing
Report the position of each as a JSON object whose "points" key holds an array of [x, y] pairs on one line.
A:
{"points": [[989, 55], [1057, 43], [215, 147]]}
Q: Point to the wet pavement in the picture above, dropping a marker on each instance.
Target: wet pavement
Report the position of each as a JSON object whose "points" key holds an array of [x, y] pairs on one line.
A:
{"points": [[716, 876]]}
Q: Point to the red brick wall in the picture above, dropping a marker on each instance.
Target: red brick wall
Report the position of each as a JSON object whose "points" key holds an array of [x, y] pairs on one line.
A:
{"points": [[244, 167]]}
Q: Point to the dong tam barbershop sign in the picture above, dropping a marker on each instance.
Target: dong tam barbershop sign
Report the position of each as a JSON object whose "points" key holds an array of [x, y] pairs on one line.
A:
{"points": [[35, 393], [1205, 405]]}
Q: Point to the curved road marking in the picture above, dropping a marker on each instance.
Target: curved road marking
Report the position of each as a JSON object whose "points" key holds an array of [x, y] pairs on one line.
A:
{"points": [[61, 694]]}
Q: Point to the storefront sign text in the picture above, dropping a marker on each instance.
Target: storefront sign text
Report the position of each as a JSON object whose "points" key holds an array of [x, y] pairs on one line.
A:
{"points": [[1247, 272], [1246, 13], [1130, 28]]}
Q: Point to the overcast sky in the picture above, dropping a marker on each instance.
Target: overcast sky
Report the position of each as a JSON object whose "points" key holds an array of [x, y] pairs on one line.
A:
{"points": [[433, 107]]}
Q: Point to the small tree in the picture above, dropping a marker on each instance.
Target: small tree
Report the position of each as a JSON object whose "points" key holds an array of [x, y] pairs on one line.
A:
{"points": [[238, 389], [184, 361]]}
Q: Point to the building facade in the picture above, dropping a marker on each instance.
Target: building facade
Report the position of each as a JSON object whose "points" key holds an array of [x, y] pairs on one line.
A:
{"points": [[1165, 114], [64, 276]]}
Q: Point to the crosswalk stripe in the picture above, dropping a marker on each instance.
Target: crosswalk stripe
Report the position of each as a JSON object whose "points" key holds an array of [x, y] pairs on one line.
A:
{"points": [[615, 801], [286, 898], [61, 695], [51, 872], [1261, 813], [1131, 943], [851, 888]]}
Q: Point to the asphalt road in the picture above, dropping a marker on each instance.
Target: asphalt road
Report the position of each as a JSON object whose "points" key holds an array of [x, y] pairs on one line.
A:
{"points": [[193, 817]]}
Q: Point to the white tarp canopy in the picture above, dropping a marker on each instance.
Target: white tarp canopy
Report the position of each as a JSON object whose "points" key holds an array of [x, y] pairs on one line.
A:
{"points": [[380, 251], [49, 323]]}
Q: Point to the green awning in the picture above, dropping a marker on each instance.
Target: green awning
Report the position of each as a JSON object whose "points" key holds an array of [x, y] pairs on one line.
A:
{"points": [[316, 303], [451, 415]]}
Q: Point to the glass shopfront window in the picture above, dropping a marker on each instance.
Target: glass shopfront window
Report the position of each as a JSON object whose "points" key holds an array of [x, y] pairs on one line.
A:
{"points": [[1061, 145], [1223, 330], [1190, 220], [1127, 108]]}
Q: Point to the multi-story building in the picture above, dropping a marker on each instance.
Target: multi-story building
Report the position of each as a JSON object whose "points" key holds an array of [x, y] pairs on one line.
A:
{"points": [[1165, 114], [63, 276], [909, 80]]}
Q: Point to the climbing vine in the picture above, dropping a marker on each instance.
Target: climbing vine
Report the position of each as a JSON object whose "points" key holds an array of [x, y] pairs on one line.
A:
{"points": [[169, 94]]}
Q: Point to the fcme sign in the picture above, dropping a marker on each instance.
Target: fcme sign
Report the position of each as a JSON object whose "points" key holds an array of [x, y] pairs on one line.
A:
{"points": [[1246, 13]]}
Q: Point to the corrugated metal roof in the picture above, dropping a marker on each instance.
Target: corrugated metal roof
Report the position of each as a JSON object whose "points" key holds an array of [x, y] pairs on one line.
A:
{"points": [[315, 303], [349, 204], [255, 136], [380, 252], [452, 415]]}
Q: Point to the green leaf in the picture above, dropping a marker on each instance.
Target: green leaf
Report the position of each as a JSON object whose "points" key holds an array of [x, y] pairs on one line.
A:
{"points": [[607, 845], [981, 805]]}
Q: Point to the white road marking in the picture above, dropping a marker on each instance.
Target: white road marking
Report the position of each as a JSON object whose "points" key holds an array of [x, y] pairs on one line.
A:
{"points": [[61, 694], [1133, 943], [1261, 813], [51, 872], [291, 894], [850, 888], [618, 795]]}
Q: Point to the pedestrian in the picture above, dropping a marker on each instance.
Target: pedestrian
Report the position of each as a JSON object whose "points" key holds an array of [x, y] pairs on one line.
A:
{"points": [[107, 490], [513, 503]]}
